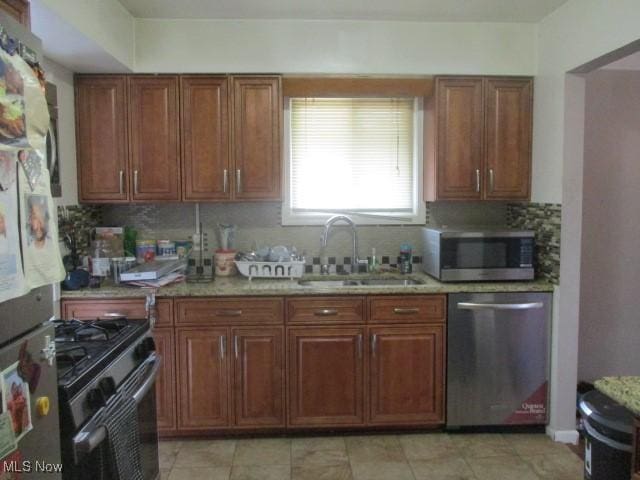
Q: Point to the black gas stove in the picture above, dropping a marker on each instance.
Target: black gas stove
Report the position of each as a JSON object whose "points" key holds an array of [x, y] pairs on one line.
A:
{"points": [[87, 348], [100, 363]]}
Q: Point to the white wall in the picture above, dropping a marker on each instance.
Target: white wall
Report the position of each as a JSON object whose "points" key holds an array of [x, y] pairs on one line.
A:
{"points": [[62, 78], [367, 47], [610, 274], [579, 32], [106, 24]]}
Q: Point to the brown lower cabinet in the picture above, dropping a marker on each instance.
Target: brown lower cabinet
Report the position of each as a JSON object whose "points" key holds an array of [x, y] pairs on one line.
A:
{"points": [[406, 374], [203, 378], [336, 362], [326, 376]]}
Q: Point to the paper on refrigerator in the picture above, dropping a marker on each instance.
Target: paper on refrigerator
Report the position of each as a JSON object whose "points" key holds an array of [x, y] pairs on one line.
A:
{"points": [[33, 254], [12, 282]]}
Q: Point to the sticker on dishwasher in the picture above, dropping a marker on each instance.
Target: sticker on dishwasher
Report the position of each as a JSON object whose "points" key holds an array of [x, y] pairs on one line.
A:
{"points": [[533, 410]]}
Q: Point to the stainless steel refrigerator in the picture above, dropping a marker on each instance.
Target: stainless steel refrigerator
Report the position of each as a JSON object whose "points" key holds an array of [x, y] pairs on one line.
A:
{"points": [[28, 377], [30, 384]]}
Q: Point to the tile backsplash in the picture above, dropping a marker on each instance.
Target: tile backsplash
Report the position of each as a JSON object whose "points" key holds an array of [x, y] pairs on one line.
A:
{"points": [[260, 224], [544, 219]]}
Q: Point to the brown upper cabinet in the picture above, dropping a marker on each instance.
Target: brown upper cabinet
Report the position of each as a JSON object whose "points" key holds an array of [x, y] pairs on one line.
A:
{"points": [[153, 137], [169, 138], [101, 131], [18, 9], [257, 117], [478, 144], [205, 138]]}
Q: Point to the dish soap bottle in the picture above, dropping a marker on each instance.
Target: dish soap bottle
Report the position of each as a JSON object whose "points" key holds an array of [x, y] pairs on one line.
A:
{"points": [[373, 261], [405, 258]]}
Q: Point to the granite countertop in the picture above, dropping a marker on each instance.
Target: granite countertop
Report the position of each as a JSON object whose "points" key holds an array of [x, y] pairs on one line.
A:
{"points": [[238, 286], [624, 390]]}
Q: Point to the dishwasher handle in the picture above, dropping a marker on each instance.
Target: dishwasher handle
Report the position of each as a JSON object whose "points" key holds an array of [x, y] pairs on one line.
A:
{"points": [[499, 306]]}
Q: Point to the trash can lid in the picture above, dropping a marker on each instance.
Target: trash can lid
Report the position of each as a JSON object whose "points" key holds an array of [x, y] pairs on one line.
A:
{"points": [[599, 409]]}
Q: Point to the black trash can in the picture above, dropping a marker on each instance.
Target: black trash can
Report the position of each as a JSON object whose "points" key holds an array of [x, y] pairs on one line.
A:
{"points": [[608, 437]]}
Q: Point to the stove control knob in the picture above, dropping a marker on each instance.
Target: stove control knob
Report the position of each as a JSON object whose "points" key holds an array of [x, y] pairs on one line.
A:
{"points": [[96, 399], [108, 386], [145, 347]]}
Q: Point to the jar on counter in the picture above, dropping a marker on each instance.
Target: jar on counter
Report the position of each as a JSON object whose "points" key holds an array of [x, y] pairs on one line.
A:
{"points": [[145, 251], [405, 258], [100, 258]]}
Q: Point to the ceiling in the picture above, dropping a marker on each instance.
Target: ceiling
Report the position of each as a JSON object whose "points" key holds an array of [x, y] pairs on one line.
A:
{"points": [[415, 10]]}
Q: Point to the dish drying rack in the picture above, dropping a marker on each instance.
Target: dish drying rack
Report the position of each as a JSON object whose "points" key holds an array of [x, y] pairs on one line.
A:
{"points": [[255, 269]]}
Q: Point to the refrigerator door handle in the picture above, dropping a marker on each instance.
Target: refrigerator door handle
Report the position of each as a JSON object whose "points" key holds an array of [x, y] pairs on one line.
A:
{"points": [[499, 306]]}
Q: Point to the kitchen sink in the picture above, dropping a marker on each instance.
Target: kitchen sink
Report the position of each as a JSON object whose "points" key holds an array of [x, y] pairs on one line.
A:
{"points": [[328, 283], [391, 282], [361, 282]]}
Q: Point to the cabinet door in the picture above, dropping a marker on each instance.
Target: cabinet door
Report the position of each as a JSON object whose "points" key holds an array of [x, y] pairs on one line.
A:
{"points": [[257, 109], [459, 130], [203, 376], [508, 138], [205, 138], [153, 118], [101, 137], [165, 383], [407, 375], [258, 383], [325, 376], [18, 9]]}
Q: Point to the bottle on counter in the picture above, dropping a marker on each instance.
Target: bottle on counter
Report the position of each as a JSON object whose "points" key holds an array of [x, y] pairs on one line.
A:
{"points": [[373, 261], [405, 265]]}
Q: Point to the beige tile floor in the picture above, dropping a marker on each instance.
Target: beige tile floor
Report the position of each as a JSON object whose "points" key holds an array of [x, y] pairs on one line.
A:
{"points": [[431, 456]]}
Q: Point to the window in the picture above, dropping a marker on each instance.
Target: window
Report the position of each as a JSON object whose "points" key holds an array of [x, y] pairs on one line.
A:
{"points": [[358, 156]]}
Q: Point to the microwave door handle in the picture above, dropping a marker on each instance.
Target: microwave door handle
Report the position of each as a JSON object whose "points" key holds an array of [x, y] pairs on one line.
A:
{"points": [[90, 437], [499, 306]]}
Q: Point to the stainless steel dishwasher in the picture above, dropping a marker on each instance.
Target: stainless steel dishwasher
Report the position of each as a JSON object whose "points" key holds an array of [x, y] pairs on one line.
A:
{"points": [[498, 358]]}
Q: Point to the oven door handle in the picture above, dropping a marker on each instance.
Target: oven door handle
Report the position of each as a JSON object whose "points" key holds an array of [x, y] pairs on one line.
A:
{"points": [[94, 433]]}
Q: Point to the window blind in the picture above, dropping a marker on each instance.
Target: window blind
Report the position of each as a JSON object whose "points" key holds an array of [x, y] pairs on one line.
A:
{"points": [[352, 154]]}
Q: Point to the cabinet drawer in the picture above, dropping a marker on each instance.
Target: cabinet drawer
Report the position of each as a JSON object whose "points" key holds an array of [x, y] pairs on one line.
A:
{"points": [[407, 309], [92, 309], [325, 310], [229, 311]]}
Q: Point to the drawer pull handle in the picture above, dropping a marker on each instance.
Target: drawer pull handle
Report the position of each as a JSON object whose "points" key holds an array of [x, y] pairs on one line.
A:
{"points": [[228, 313], [223, 341], [235, 346], [325, 312], [113, 315], [374, 340], [360, 346], [405, 311]]}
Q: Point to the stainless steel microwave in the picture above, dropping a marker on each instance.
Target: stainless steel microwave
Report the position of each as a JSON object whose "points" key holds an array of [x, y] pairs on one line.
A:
{"points": [[478, 254]]}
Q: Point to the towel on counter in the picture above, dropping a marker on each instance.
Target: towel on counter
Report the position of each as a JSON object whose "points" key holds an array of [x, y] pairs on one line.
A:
{"points": [[123, 441]]}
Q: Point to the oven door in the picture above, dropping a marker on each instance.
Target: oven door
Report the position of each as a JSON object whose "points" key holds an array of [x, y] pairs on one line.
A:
{"points": [[486, 256], [89, 445]]}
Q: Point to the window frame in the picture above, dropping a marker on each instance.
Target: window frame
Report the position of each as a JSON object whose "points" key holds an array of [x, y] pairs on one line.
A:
{"points": [[417, 217]]}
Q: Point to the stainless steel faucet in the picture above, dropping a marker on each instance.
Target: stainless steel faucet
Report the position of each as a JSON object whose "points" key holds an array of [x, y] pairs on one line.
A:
{"points": [[355, 260]]}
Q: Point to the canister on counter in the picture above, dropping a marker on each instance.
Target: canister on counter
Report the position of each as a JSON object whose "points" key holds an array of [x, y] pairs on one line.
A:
{"points": [[183, 247], [145, 251], [166, 247], [224, 263]]}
